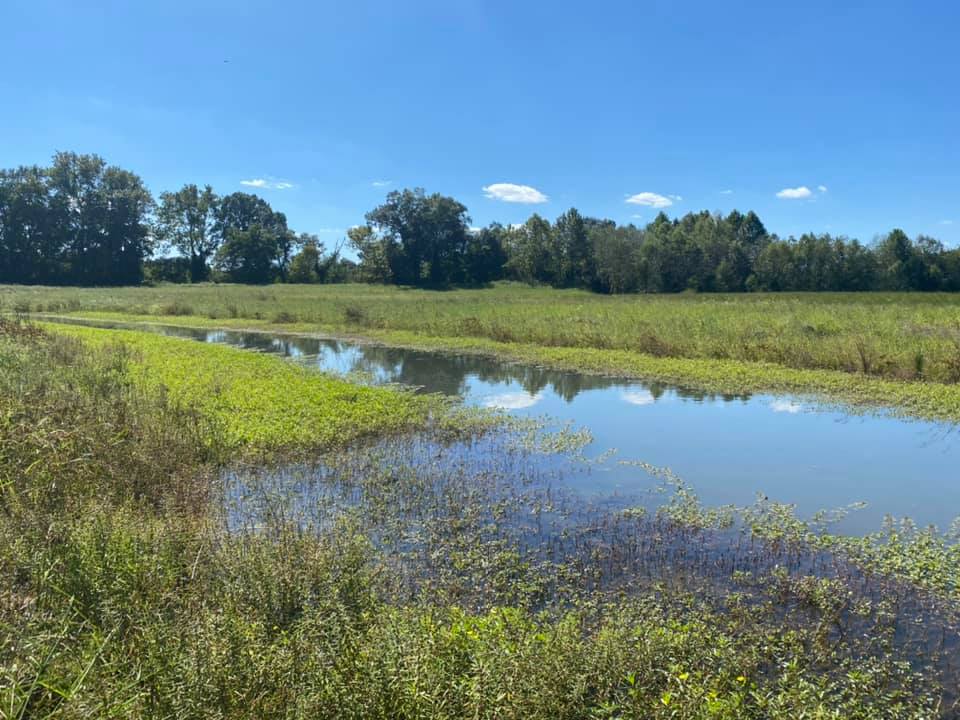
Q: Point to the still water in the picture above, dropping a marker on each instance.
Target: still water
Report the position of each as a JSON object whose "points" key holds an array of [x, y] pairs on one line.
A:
{"points": [[728, 448]]}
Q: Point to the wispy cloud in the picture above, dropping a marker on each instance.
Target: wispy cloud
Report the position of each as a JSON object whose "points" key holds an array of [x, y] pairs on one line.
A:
{"points": [[786, 406], [512, 400], [652, 199], [509, 192], [822, 188], [381, 183], [946, 222], [267, 184], [797, 193], [639, 397], [637, 216], [726, 192]]}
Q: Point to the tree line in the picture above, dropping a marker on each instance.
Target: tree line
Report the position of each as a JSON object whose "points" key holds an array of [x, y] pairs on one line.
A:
{"points": [[83, 222]]}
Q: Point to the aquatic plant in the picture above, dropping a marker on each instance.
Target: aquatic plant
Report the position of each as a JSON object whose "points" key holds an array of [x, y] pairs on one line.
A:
{"points": [[258, 401]]}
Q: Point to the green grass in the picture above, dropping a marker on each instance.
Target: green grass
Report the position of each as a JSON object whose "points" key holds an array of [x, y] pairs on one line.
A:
{"points": [[258, 401], [125, 591], [895, 350]]}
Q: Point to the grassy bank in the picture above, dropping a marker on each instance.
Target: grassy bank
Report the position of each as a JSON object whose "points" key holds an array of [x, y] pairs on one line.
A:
{"points": [[418, 580], [898, 350], [256, 401]]}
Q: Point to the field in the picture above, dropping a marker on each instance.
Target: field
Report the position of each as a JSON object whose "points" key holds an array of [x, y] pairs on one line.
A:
{"points": [[898, 350], [191, 530]]}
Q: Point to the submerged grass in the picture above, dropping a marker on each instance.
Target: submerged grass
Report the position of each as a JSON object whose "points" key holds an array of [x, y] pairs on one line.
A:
{"points": [[897, 350], [143, 573]]}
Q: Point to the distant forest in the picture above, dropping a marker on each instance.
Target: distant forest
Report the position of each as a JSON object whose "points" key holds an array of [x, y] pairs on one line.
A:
{"points": [[83, 222]]}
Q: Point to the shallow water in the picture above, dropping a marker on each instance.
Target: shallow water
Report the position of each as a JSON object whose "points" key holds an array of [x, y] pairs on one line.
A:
{"points": [[728, 448]]}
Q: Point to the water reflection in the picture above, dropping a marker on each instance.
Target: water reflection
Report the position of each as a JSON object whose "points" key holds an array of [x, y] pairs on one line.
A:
{"points": [[729, 447], [512, 401], [446, 373]]}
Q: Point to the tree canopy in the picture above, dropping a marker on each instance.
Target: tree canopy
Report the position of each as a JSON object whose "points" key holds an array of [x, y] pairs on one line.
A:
{"points": [[81, 221]]}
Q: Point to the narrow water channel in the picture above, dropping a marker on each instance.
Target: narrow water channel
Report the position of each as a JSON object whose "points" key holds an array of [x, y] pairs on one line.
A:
{"points": [[728, 448]]}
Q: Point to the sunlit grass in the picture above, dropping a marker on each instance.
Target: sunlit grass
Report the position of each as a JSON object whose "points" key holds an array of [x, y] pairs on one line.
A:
{"points": [[898, 350], [407, 576], [258, 401]]}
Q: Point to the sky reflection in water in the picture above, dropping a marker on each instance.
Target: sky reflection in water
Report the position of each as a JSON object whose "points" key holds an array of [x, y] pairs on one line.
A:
{"points": [[730, 448]]}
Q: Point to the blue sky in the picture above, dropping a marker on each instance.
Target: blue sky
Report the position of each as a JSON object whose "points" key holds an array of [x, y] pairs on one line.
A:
{"points": [[853, 106]]}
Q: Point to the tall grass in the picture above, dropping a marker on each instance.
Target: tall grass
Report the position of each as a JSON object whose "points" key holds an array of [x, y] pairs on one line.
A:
{"points": [[143, 573], [892, 350], [895, 335]]}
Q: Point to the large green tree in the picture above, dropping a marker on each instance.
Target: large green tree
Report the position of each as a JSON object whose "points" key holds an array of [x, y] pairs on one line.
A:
{"points": [[249, 256], [616, 252], [483, 255], [529, 250], [428, 232], [576, 262], [376, 253], [31, 250], [313, 264], [103, 213], [240, 212], [186, 221]]}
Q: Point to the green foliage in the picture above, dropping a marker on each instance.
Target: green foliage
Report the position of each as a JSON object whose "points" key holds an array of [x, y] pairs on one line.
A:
{"points": [[427, 234], [166, 269], [78, 222], [305, 266], [81, 222], [575, 259], [313, 264], [255, 242], [247, 256], [258, 401], [128, 590], [185, 222], [528, 251], [900, 351]]}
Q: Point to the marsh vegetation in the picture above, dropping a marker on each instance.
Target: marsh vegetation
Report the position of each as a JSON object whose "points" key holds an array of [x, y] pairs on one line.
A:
{"points": [[157, 561], [898, 350]]}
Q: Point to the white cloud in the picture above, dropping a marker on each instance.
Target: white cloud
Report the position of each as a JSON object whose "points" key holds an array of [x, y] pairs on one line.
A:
{"points": [[512, 401], [508, 192], [328, 230], [267, 184], [946, 222], [381, 183], [786, 406], [639, 397], [822, 188], [637, 216], [797, 193], [651, 199], [726, 192], [675, 198]]}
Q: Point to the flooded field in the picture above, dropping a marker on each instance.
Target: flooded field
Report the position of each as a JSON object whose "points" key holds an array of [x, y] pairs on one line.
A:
{"points": [[730, 449]]}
